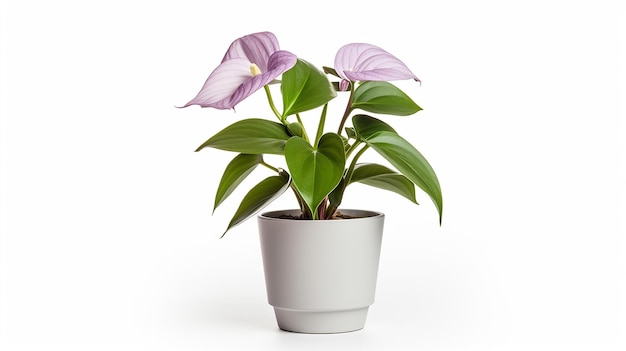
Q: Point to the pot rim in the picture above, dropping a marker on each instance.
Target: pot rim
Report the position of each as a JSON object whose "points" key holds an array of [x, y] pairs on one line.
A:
{"points": [[361, 215]]}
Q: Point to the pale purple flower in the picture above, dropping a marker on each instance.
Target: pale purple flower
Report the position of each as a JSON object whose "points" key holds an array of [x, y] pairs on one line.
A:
{"points": [[250, 63], [363, 62]]}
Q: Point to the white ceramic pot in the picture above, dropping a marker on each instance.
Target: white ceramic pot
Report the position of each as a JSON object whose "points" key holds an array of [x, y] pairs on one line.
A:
{"points": [[321, 275]]}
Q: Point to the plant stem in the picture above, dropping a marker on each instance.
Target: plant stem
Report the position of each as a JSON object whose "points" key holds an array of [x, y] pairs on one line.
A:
{"points": [[352, 148], [321, 209], [270, 166], [330, 210], [348, 175], [271, 102], [304, 134], [320, 126], [347, 111]]}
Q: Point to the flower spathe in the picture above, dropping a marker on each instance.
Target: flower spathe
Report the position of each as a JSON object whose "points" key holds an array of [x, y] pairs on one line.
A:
{"points": [[362, 62], [250, 63]]}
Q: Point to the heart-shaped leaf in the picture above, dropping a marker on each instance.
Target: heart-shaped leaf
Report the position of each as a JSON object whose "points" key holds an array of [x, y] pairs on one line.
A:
{"points": [[250, 136], [401, 154], [383, 97], [258, 197], [304, 87], [382, 177], [236, 171], [315, 171]]}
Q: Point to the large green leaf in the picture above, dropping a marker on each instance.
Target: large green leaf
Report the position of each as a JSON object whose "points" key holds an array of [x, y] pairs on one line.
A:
{"points": [[250, 136], [401, 154], [382, 177], [258, 197], [385, 98], [315, 172], [304, 87], [236, 171]]}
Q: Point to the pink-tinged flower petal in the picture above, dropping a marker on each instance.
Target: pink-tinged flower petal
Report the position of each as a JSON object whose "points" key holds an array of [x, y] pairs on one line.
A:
{"points": [[362, 62], [222, 83], [256, 48], [279, 63], [232, 81], [236, 77]]}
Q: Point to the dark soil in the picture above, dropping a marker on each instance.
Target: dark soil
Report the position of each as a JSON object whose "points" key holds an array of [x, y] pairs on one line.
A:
{"points": [[337, 215]]}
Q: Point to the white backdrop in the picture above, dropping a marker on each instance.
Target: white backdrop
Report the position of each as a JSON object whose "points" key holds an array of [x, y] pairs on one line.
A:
{"points": [[108, 242]]}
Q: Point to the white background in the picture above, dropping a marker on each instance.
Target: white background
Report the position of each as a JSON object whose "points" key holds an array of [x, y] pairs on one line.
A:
{"points": [[108, 242]]}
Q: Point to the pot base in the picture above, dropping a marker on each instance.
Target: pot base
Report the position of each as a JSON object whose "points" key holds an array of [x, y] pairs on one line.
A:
{"points": [[325, 322]]}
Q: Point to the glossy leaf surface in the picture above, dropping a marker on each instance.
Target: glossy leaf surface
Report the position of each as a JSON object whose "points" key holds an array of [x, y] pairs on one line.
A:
{"points": [[365, 126], [250, 136], [402, 155], [315, 172], [384, 98], [304, 87], [236, 171], [382, 177], [296, 129], [258, 197]]}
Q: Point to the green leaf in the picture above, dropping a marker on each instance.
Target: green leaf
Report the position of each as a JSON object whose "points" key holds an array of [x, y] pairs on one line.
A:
{"points": [[304, 87], [350, 132], [315, 172], [258, 197], [296, 129], [236, 171], [330, 70], [385, 98], [401, 154], [365, 126], [250, 136], [335, 197], [382, 177]]}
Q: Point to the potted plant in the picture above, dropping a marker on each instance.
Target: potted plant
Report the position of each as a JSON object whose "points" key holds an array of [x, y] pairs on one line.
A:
{"points": [[320, 260]]}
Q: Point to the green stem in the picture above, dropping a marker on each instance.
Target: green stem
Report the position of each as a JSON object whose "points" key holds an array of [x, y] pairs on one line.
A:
{"points": [[270, 167], [352, 148], [271, 102], [304, 134], [347, 111], [348, 175], [332, 208], [320, 126]]}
